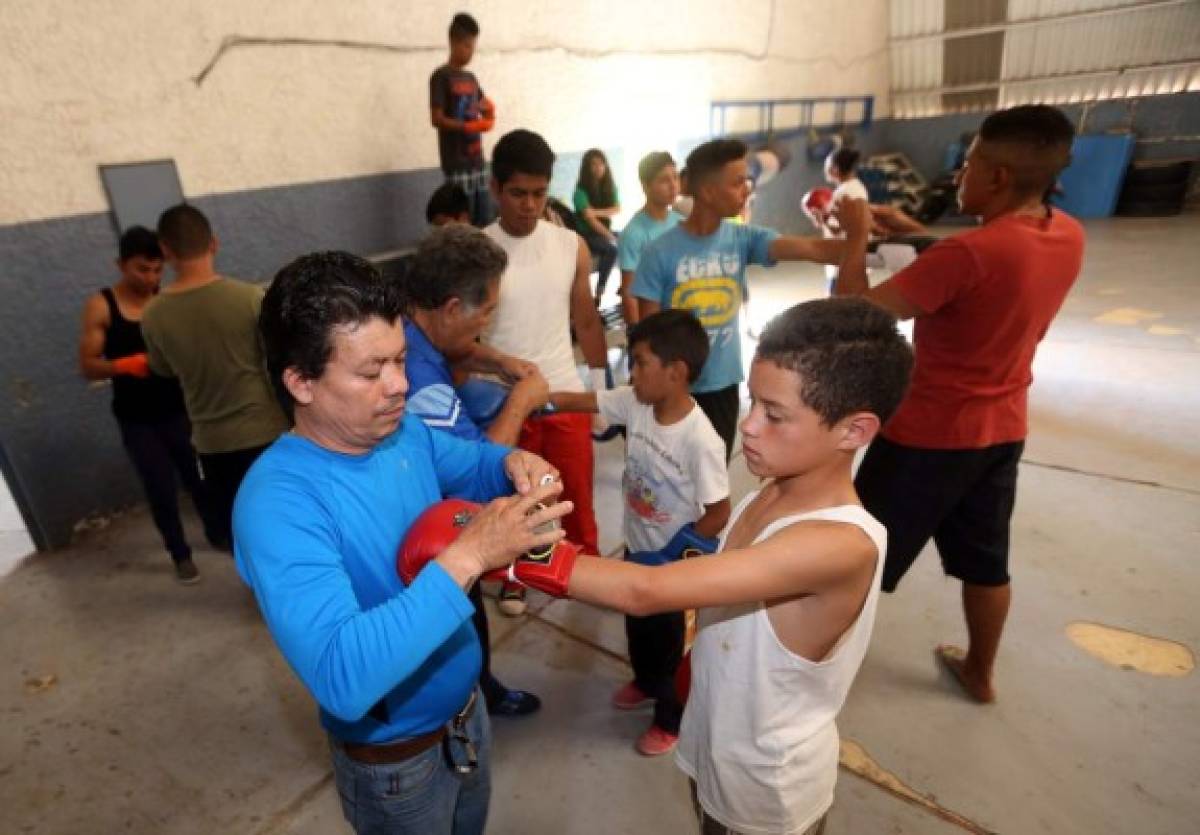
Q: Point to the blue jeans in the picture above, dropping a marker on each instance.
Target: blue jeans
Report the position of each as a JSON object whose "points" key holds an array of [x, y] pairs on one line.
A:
{"points": [[422, 795]]}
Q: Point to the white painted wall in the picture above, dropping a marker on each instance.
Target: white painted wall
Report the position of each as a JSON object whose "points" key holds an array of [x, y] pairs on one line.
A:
{"points": [[88, 82]]}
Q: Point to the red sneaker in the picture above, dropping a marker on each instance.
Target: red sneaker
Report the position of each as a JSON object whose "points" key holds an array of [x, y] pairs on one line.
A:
{"points": [[630, 697], [656, 742]]}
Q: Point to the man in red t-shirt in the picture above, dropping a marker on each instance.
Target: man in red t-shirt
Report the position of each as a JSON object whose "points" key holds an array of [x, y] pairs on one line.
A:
{"points": [[945, 465]]}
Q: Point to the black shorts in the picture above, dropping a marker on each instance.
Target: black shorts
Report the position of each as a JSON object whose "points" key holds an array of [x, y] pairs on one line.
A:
{"points": [[962, 498], [721, 408]]}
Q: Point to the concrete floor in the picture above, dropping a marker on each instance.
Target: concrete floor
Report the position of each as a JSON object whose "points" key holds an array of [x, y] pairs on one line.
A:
{"points": [[131, 704]]}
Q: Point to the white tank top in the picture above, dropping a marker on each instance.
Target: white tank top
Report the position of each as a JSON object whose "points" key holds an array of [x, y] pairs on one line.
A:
{"points": [[758, 734], [533, 320]]}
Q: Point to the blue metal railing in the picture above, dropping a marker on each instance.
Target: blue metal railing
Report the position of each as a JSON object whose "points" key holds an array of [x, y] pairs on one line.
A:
{"points": [[768, 124]]}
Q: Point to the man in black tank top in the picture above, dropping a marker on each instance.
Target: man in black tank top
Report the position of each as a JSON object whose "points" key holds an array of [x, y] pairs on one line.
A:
{"points": [[149, 409]]}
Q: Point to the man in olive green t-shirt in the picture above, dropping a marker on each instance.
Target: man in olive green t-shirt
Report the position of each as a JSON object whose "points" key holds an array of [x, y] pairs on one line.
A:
{"points": [[203, 329]]}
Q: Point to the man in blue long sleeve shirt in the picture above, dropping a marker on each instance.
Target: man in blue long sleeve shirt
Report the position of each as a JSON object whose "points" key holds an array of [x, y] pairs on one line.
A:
{"points": [[317, 525]]}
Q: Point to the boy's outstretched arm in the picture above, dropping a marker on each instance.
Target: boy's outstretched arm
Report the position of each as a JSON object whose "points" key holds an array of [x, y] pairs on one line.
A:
{"points": [[817, 250], [574, 401], [803, 559]]}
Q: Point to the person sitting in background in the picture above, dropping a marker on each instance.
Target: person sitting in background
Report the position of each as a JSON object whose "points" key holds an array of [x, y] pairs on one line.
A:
{"points": [[149, 410], [448, 204], [596, 204], [660, 182]]}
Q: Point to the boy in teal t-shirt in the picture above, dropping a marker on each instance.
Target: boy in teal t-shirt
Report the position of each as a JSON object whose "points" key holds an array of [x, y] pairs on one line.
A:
{"points": [[660, 182]]}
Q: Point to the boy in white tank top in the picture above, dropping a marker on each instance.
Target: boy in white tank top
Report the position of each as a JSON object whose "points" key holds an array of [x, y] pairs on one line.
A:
{"points": [[788, 603]]}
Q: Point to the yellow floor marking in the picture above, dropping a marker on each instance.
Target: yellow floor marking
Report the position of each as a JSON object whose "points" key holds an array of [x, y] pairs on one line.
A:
{"points": [[856, 760], [1127, 316], [1131, 650], [40, 684], [1166, 330]]}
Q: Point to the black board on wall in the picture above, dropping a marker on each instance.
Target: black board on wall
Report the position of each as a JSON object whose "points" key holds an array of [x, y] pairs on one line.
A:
{"points": [[138, 192]]}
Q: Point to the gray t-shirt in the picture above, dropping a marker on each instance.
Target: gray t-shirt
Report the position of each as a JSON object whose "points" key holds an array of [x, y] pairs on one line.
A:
{"points": [[208, 337], [457, 94]]}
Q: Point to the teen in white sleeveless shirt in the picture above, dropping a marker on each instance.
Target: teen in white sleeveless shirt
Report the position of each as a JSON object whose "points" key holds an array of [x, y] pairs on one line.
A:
{"points": [[787, 605], [758, 735]]}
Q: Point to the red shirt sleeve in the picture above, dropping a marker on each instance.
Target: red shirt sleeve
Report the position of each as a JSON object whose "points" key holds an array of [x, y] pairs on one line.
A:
{"points": [[938, 276]]}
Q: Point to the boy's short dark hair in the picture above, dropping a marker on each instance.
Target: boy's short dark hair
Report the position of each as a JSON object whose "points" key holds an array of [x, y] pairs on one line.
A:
{"points": [[845, 159], [139, 241], [848, 353], [652, 164], [1040, 137], [448, 199], [708, 159], [463, 26], [453, 261], [521, 152], [185, 231], [673, 334], [308, 299]]}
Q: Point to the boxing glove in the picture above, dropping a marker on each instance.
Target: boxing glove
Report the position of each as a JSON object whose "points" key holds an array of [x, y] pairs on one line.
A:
{"points": [[431, 534], [549, 570], [481, 125], [685, 543], [134, 365]]}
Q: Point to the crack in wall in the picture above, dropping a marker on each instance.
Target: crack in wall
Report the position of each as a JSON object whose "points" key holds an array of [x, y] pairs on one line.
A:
{"points": [[231, 43]]}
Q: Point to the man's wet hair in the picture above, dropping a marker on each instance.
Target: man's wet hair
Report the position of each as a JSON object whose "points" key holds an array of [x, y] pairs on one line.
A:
{"points": [[185, 231], [848, 353], [139, 241], [522, 152], [453, 261], [311, 297], [1033, 141], [707, 160], [673, 334]]}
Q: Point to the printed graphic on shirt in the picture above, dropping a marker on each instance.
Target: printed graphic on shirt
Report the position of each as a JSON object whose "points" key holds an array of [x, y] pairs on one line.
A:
{"points": [[705, 285], [642, 494], [437, 405]]}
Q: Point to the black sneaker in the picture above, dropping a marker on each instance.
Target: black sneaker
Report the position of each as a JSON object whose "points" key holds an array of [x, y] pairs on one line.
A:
{"points": [[186, 572], [515, 703]]}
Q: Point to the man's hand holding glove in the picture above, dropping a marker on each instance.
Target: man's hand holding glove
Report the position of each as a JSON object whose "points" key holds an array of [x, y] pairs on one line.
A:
{"points": [[470, 540]]}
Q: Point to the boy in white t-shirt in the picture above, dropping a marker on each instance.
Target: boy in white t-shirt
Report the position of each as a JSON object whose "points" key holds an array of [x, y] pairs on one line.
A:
{"points": [[676, 489], [786, 607]]}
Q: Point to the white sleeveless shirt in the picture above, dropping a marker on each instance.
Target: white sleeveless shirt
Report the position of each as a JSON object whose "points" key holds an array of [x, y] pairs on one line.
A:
{"points": [[758, 734], [533, 319]]}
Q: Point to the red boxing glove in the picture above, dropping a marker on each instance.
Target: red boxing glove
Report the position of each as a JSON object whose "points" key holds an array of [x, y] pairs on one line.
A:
{"points": [[549, 570], [481, 125], [431, 534], [134, 365], [487, 108]]}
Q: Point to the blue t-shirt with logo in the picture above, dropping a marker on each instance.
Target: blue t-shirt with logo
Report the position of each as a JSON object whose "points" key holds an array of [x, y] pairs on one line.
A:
{"points": [[707, 275], [638, 233]]}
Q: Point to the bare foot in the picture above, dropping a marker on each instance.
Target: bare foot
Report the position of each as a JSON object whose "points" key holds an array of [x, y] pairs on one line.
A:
{"points": [[954, 659]]}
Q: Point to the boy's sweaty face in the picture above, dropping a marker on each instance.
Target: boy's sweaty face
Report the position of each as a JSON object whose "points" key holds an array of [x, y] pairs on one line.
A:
{"points": [[781, 436]]}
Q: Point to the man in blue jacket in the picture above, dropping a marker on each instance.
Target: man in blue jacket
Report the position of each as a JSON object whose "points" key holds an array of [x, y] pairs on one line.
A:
{"points": [[451, 289], [318, 523]]}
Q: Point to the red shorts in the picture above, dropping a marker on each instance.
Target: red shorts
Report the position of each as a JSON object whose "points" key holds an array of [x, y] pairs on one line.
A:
{"points": [[565, 440]]}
